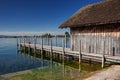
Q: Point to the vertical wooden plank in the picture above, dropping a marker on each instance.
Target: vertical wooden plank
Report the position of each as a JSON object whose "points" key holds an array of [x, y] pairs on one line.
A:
{"points": [[80, 55], [71, 48], [110, 41], [119, 42]]}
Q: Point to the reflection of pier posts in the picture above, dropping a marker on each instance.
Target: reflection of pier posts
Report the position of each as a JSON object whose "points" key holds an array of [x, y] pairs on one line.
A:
{"points": [[42, 57]]}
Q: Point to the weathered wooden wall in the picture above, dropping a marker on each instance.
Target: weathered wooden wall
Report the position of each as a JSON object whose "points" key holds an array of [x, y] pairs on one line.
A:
{"points": [[93, 38]]}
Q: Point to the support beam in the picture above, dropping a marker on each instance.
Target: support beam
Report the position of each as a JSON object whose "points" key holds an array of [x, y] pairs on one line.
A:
{"points": [[63, 52], [103, 55]]}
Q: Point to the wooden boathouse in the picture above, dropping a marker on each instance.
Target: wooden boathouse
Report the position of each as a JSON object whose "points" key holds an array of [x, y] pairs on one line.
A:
{"points": [[97, 27]]}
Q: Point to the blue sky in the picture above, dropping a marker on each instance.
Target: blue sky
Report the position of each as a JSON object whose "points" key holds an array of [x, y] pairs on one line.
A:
{"points": [[37, 15]]}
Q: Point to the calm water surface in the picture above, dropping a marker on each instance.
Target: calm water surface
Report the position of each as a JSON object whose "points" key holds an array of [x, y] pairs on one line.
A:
{"points": [[11, 61]]}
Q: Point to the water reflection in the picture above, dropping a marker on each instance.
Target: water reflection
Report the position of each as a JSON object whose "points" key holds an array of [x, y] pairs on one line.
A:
{"points": [[43, 68], [54, 70], [12, 60]]}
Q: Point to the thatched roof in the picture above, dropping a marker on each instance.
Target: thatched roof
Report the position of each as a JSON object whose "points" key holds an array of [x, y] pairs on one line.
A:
{"points": [[105, 12]]}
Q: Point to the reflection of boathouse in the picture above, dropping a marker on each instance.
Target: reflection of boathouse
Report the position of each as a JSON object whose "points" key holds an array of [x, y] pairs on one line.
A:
{"points": [[98, 28]]}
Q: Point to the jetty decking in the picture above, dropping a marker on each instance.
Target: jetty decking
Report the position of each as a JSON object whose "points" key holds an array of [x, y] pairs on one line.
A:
{"points": [[67, 52]]}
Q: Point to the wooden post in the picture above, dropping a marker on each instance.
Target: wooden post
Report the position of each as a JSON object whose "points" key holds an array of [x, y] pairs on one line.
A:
{"points": [[63, 45], [24, 41], [29, 46], [35, 39], [48, 53], [80, 55], [48, 40], [24, 44], [51, 58], [51, 50], [42, 56], [17, 42], [20, 42], [103, 56], [65, 41], [56, 40], [41, 46]]}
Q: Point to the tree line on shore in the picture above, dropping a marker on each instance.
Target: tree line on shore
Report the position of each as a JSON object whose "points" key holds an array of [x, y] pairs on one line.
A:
{"points": [[43, 35]]}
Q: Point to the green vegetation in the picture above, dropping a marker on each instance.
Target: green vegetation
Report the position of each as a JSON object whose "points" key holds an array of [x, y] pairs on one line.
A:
{"points": [[67, 34], [47, 35], [45, 73], [69, 71]]}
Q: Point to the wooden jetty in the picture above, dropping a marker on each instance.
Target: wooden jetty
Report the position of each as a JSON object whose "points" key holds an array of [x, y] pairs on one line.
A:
{"points": [[68, 52]]}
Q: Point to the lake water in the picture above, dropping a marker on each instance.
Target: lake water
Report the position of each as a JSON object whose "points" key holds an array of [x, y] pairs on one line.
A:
{"points": [[11, 61], [42, 69]]}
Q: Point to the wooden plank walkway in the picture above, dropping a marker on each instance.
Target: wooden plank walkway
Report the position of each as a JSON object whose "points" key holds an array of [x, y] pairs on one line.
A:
{"points": [[59, 50]]}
